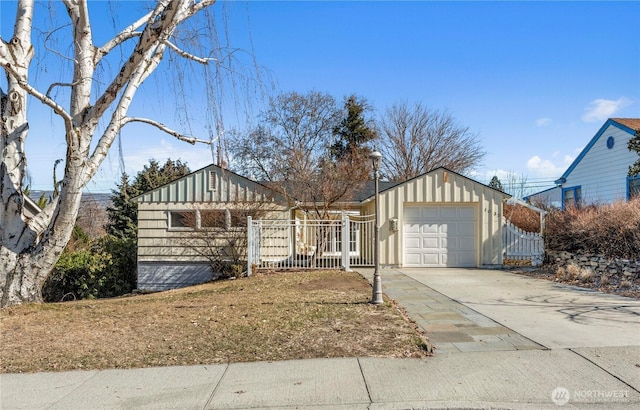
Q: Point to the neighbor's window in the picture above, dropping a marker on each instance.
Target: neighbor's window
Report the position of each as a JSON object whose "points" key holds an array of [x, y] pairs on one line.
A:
{"points": [[571, 196], [182, 219], [216, 218], [633, 187]]}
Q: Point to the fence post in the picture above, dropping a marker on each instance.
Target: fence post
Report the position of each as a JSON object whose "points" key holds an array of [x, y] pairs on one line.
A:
{"points": [[346, 245], [249, 245]]}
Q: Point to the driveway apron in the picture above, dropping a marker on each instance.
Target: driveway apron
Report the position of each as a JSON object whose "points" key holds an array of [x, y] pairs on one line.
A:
{"points": [[539, 312], [451, 326]]}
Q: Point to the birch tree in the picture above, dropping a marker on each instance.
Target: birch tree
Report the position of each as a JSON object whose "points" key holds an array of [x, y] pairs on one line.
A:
{"points": [[93, 116]]}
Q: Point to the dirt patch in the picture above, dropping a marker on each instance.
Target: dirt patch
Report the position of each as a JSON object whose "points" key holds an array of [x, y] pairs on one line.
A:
{"points": [[279, 316]]}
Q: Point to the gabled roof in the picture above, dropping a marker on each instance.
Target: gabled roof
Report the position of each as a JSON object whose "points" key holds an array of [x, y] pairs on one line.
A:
{"points": [[394, 184], [364, 194], [526, 198], [630, 125], [214, 166], [31, 208]]}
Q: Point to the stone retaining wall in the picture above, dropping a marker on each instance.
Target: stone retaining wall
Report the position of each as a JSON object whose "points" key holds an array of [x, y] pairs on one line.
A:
{"points": [[624, 268]]}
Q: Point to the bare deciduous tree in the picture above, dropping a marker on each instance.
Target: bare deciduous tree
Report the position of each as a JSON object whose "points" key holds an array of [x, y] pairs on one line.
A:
{"points": [[93, 115], [517, 185], [291, 151], [416, 140]]}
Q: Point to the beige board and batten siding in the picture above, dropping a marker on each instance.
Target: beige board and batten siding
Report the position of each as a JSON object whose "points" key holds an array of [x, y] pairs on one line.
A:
{"points": [[441, 187], [167, 257]]}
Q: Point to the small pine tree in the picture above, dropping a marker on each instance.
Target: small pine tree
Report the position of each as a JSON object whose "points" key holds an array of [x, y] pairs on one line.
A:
{"points": [[122, 227], [123, 215], [496, 184], [124, 211], [353, 131]]}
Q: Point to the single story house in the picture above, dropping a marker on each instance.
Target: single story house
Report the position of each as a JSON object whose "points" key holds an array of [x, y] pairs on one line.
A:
{"points": [[438, 219], [600, 172]]}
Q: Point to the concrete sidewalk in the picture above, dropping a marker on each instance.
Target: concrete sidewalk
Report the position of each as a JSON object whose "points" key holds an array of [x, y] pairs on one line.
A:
{"points": [[482, 360], [506, 379]]}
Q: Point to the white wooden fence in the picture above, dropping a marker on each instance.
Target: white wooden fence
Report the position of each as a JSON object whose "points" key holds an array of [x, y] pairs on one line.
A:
{"points": [[521, 245], [299, 244]]}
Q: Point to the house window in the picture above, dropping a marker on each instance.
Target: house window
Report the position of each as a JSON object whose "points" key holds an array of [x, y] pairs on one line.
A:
{"points": [[571, 197], [224, 218], [182, 220], [210, 218], [216, 218], [334, 247], [633, 187], [611, 142]]}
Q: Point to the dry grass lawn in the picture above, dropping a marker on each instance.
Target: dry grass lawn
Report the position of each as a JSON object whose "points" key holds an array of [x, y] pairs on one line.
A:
{"points": [[275, 316]]}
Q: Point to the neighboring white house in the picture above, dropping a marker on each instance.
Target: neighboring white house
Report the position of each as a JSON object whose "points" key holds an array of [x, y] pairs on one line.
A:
{"points": [[438, 219], [600, 173]]}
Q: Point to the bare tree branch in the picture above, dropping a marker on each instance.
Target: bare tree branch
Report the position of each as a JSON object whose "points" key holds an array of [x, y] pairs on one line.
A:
{"points": [[22, 82], [164, 128], [182, 53], [53, 85], [53, 50], [153, 36], [126, 34]]}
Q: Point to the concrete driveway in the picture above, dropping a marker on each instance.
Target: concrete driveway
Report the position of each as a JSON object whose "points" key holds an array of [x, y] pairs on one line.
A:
{"points": [[550, 314]]}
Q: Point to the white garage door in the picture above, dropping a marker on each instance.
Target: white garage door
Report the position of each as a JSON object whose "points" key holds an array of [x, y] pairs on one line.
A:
{"points": [[440, 236]]}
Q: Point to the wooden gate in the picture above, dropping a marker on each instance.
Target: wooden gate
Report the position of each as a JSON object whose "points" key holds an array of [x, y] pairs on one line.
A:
{"points": [[521, 245]]}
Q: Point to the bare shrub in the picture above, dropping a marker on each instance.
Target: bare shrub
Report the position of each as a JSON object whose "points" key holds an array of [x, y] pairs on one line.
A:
{"points": [[524, 218], [585, 275], [604, 280], [573, 271], [626, 284], [609, 230], [561, 273]]}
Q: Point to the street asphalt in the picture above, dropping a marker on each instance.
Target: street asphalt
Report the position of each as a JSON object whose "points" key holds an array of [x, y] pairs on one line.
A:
{"points": [[502, 341]]}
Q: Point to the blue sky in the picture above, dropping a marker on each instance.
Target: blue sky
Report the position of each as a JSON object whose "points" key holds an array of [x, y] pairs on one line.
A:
{"points": [[535, 80]]}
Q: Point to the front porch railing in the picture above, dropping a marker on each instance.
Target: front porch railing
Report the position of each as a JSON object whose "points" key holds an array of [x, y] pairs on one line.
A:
{"points": [[310, 244]]}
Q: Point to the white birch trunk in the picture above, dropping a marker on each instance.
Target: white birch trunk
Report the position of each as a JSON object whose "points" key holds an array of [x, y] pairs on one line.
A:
{"points": [[29, 248]]}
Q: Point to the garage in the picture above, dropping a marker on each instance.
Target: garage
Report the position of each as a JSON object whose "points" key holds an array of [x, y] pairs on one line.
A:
{"points": [[440, 236], [440, 219]]}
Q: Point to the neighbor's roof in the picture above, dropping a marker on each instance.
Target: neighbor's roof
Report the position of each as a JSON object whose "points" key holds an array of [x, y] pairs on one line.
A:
{"points": [[368, 189], [633, 123]]}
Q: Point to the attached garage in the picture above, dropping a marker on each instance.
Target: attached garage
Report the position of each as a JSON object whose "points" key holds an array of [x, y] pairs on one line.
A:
{"points": [[438, 236], [440, 219]]}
